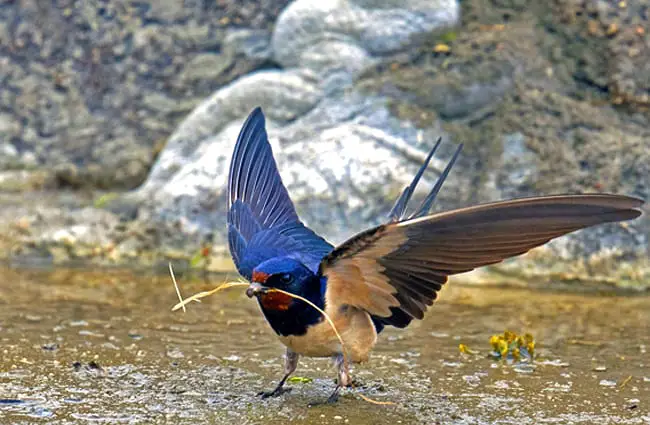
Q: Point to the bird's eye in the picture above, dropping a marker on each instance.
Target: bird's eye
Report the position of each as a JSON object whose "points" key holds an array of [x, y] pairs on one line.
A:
{"points": [[286, 278]]}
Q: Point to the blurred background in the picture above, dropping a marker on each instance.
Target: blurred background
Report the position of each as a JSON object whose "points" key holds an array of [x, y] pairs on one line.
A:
{"points": [[118, 118]]}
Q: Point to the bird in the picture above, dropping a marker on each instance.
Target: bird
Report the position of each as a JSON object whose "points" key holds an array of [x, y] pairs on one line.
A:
{"points": [[387, 275]]}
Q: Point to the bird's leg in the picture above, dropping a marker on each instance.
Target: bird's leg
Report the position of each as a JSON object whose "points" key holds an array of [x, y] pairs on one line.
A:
{"points": [[290, 365], [344, 379]]}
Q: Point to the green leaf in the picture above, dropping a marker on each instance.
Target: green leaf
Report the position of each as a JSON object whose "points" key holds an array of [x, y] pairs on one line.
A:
{"points": [[196, 259], [299, 380]]}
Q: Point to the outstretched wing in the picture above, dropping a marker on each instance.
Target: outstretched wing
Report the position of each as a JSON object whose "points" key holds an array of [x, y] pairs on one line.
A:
{"points": [[262, 221], [395, 270]]}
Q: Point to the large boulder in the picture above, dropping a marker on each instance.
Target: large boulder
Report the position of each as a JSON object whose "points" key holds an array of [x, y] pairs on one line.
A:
{"points": [[342, 156]]}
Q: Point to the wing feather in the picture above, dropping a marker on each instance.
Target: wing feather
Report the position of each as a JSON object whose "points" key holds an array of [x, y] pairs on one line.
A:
{"points": [[262, 221], [406, 263]]}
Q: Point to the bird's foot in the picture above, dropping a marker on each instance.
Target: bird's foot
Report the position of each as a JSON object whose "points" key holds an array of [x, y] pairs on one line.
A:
{"points": [[333, 398], [274, 393]]}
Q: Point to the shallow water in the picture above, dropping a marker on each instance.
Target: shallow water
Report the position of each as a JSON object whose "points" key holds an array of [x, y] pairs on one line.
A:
{"points": [[104, 347]]}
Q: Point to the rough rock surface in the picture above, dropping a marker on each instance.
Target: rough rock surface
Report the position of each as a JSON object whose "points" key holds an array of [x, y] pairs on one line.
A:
{"points": [[548, 97], [342, 156], [91, 89]]}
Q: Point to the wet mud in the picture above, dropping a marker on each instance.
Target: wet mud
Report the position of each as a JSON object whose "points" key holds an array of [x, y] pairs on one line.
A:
{"points": [[103, 346]]}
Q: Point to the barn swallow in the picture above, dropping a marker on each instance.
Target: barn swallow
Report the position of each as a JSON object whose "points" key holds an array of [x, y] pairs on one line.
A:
{"points": [[385, 276]]}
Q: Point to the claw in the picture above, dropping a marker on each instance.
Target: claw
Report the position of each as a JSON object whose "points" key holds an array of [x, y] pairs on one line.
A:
{"points": [[274, 393], [333, 398]]}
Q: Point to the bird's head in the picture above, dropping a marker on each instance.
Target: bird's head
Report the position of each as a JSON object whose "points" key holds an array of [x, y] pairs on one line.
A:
{"points": [[283, 273]]}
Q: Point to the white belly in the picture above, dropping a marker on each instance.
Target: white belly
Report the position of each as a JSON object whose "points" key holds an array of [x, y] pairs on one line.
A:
{"points": [[354, 326]]}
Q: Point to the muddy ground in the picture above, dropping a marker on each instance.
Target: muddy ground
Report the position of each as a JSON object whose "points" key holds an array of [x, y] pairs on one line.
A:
{"points": [[103, 347]]}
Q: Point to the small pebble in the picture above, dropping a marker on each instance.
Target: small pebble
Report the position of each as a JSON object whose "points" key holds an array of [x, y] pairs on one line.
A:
{"points": [[33, 318], [556, 362], [175, 353], [232, 358], [502, 385], [525, 368]]}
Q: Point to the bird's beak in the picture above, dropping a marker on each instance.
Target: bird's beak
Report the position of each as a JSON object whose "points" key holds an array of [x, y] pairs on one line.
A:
{"points": [[255, 289]]}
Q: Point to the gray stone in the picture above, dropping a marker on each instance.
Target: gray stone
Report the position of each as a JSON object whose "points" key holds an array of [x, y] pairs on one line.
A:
{"points": [[4, 33], [344, 156], [8, 154], [378, 31], [145, 37], [89, 77], [285, 94], [166, 10], [311, 112], [205, 66], [159, 103], [342, 177], [9, 127], [195, 35], [254, 44], [320, 64]]}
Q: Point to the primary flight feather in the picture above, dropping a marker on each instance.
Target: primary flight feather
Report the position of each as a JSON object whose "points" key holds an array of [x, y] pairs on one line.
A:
{"points": [[387, 275]]}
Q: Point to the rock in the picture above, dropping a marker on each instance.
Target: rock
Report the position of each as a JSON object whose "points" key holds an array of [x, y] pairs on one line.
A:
{"points": [[159, 103], [286, 93], [351, 168], [18, 180], [386, 27], [205, 66], [166, 10], [129, 248], [621, 31], [8, 154], [195, 35], [81, 80], [153, 35], [9, 127], [253, 44]]}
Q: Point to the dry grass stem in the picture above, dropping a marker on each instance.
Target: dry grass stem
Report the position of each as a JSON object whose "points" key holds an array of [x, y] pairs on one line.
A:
{"points": [[178, 290], [198, 296]]}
